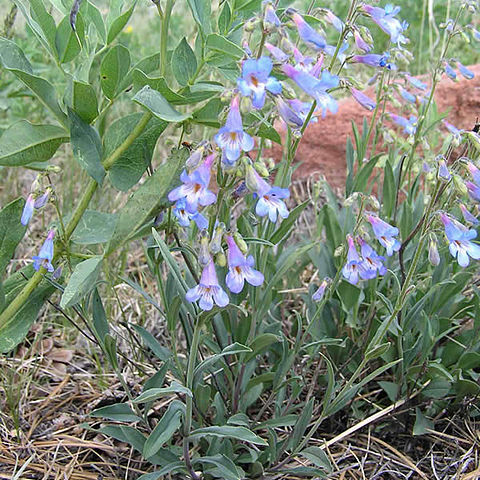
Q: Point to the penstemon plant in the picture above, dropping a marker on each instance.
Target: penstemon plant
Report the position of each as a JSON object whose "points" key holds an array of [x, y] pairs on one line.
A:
{"points": [[270, 332]]}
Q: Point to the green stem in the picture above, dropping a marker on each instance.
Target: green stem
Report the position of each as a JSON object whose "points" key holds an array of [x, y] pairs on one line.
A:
{"points": [[164, 37]]}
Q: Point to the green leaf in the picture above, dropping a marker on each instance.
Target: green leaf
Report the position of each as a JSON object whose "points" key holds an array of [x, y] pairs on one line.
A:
{"points": [[86, 146], [156, 393], [201, 11], [173, 467], [13, 59], [228, 431], [224, 19], [81, 282], [184, 63], [67, 40], [224, 468], [131, 164], [233, 349], [11, 231], [287, 224], [469, 360], [140, 79], [422, 423], [117, 25], [45, 21], [219, 43], [261, 343], [166, 427], [161, 352], [113, 69], [318, 457], [100, 322], [389, 190], [145, 202], [94, 227], [110, 346], [155, 102], [377, 351], [16, 329], [24, 143], [209, 113], [302, 424], [85, 101], [120, 412], [92, 15]]}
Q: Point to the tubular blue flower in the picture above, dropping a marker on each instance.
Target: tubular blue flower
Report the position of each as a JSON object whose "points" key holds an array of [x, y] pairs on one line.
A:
{"points": [[208, 291], [443, 171], [360, 42], [363, 100], [333, 19], [302, 109], [459, 237], [351, 270], [467, 216], [407, 96], [270, 18], [416, 82], [476, 34], [316, 88], [320, 293], [308, 34], [468, 74], [45, 256], [28, 210], [240, 268], [372, 263], [473, 190], [269, 198], [277, 53], [231, 138], [374, 60], [450, 71], [452, 129], [302, 62], [184, 217], [256, 80], [385, 234], [474, 172], [195, 187], [196, 156], [385, 19], [409, 125], [288, 114]]}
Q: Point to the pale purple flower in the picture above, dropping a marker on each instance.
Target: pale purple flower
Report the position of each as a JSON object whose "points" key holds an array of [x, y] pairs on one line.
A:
{"points": [[460, 245], [240, 268], [409, 125], [467, 216], [407, 96], [468, 74], [385, 234], [270, 199], [195, 187], [256, 80], [320, 292], [270, 18], [452, 129], [473, 190], [208, 291], [303, 63], [316, 88], [360, 42], [474, 172], [196, 156], [443, 171], [288, 114], [433, 255], [372, 263], [185, 217], [333, 19], [416, 82], [45, 256], [28, 210], [385, 19], [351, 270], [277, 53], [363, 100], [308, 34], [231, 138], [374, 60], [450, 71]]}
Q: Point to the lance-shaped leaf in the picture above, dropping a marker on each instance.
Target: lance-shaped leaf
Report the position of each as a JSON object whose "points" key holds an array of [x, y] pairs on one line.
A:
{"points": [[24, 143], [81, 282], [156, 393], [222, 467], [147, 200], [117, 25], [201, 11], [87, 147], [184, 63], [228, 431], [120, 412], [11, 231], [157, 104]]}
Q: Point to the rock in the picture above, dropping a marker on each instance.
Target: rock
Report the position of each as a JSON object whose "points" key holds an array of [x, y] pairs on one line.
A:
{"points": [[322, 148]]}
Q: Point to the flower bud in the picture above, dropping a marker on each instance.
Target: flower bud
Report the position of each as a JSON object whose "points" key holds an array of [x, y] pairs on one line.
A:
{"points": [[338, 251], [221, 259], [204, 254], [433, 255], [288, 92], [261, 169], [53, 169], [242, 245], [216, 243]]}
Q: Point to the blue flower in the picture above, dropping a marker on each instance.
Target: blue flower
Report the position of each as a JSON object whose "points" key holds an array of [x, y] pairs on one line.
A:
{"points": [[459, 238], [270, 17], [363, 100], [208, 291], [309, 35], [307, 64], [467, 216], [288, 114], [269, 198], [443, 171], [450, 71], [231, 138], [33, 203], [407, 96], [452, 129], [240, 268], [195, 187], [409, 125], [277, 53], [316, 88], [45, 256], [360, 42], [468, 74], [256, 80], [385, 19], [320, 293], [184, 217], [351, 270], [385, 234], [374, 60], [333, 19], [416, 82], [433, 255], [372, 263]]}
